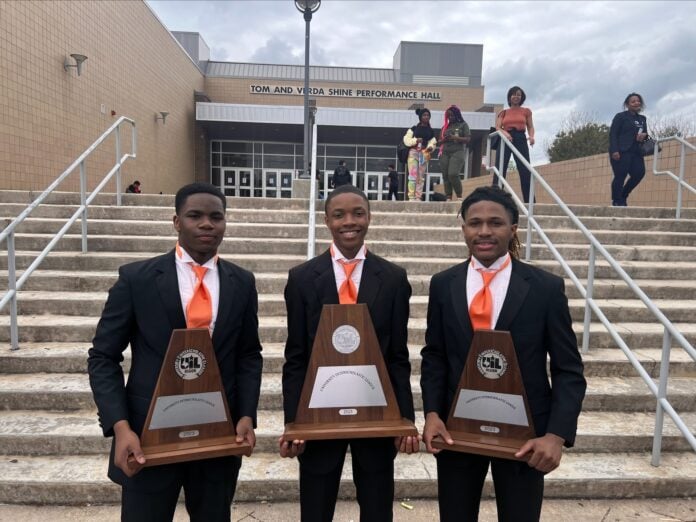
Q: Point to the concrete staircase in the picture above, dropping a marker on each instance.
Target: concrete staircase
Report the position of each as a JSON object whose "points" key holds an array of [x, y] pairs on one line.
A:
{"points": [[51, 448]]}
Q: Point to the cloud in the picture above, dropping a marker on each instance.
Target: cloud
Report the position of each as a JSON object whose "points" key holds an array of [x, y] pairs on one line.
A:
{"points": [[568, 56]]}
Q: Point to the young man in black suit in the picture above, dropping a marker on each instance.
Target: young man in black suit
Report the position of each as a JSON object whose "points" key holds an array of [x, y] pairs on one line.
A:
{"points": [[149, 300], [384, 287], [529, 303]]}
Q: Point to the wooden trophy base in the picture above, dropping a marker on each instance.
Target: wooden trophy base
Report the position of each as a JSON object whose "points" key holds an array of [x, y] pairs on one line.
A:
{"points": [[187, 451], [350, 430], [498, 447]]}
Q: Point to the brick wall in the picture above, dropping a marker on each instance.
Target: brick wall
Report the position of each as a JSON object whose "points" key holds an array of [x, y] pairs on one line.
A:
{"points": [[48, 116]]}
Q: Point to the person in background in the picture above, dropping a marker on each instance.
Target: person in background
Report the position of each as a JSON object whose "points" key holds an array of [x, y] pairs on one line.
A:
{"points": [[628, 129], [133, 188], [513, 122], [421, 141], [393, 177], [454, 137], [341, 175]]}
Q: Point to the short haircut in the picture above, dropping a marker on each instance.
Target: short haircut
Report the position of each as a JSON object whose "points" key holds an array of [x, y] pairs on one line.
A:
{"points": [[513, 90], [345, 189], [197, 188], [494, 194], [642, 103]]}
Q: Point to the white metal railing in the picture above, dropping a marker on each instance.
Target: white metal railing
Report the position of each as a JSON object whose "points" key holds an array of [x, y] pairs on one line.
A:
{"points": [[681, 184], [14, 284], [670, 331], [312, 234]]}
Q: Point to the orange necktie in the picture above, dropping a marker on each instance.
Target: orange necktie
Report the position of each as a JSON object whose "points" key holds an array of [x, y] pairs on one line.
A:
{"points": [[481, 308], [348, 293], [199, 312]]}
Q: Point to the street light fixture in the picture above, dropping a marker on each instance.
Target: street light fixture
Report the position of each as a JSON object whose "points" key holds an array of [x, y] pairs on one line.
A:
{"points": [[307, 7]]}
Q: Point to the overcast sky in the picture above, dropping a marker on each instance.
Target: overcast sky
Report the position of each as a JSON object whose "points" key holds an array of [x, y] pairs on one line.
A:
{"points": [[581, 56]]}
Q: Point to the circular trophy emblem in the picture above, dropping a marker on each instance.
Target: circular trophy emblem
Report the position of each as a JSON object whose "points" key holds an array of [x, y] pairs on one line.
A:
{"points": [[345, 339], [190, 364], [492, 364]]}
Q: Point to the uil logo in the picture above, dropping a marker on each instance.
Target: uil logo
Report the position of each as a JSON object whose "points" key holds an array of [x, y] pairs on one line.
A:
{"points": [[492, 364], [190, 364]]}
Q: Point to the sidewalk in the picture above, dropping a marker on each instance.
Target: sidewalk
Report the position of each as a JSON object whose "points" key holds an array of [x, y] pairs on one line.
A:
{"points": [[658, 510]]}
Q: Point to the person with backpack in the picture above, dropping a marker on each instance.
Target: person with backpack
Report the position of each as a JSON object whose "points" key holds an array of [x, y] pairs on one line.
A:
{"points": [[341, 175]]}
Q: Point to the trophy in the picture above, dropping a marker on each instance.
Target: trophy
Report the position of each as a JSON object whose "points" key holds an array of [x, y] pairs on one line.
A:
{"points": [[189, 418], [490, 413], [347, 393]]}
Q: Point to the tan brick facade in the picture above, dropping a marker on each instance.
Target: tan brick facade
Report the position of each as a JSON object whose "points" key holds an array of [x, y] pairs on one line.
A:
{"points": [[48, 116]]}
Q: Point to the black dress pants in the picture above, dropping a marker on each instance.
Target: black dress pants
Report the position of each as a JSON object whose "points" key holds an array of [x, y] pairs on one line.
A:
{"points": [[209, 487], [519, 140], [632, 165], [321, 465], [519, 489]]}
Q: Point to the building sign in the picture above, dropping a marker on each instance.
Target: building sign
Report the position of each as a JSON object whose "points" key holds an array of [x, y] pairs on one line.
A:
{"points": [[340, 92]]}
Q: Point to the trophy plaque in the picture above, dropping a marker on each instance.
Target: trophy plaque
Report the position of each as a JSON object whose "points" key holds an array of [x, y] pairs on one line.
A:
{"points": [[490, 413], [189, 418], [347, 393]]}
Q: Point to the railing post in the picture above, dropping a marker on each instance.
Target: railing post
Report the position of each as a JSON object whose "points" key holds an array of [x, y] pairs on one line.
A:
{"points": [[118, 162], [501, 156], [588, 299], [12, 287], [528, 240], [311, 233], [661, 394], [83, 204], [682, 159]]}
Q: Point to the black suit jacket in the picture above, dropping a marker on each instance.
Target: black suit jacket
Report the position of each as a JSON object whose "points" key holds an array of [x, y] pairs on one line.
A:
{"points": [[142, 309], [624, 127], [386, 291], [535, 312]]}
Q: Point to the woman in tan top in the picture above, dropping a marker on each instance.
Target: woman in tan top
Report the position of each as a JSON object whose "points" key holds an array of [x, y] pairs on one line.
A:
{"points": [[514, 123]]}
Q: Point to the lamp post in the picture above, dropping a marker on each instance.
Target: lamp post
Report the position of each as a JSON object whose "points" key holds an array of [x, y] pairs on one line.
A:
{"points": [[307, 7]]}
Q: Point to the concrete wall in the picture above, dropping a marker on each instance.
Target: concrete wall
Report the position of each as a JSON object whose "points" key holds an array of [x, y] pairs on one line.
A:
{"points": [[586, 181], [48, 116]]}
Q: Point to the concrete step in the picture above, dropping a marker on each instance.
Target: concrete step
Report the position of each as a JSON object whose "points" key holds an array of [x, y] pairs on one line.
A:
{"points": [[82, 479], [55, 357], [422, 232], [63, 328], [273, 305], [453, 249], [381, 215], [28, 432], [666, 509], [167, 201], [271, 273], [70, 391], [271, 277]]}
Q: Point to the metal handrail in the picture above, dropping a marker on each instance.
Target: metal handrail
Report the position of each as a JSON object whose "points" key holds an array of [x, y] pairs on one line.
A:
{"points": [[14, 284], [681, 184], [670, 331]]}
